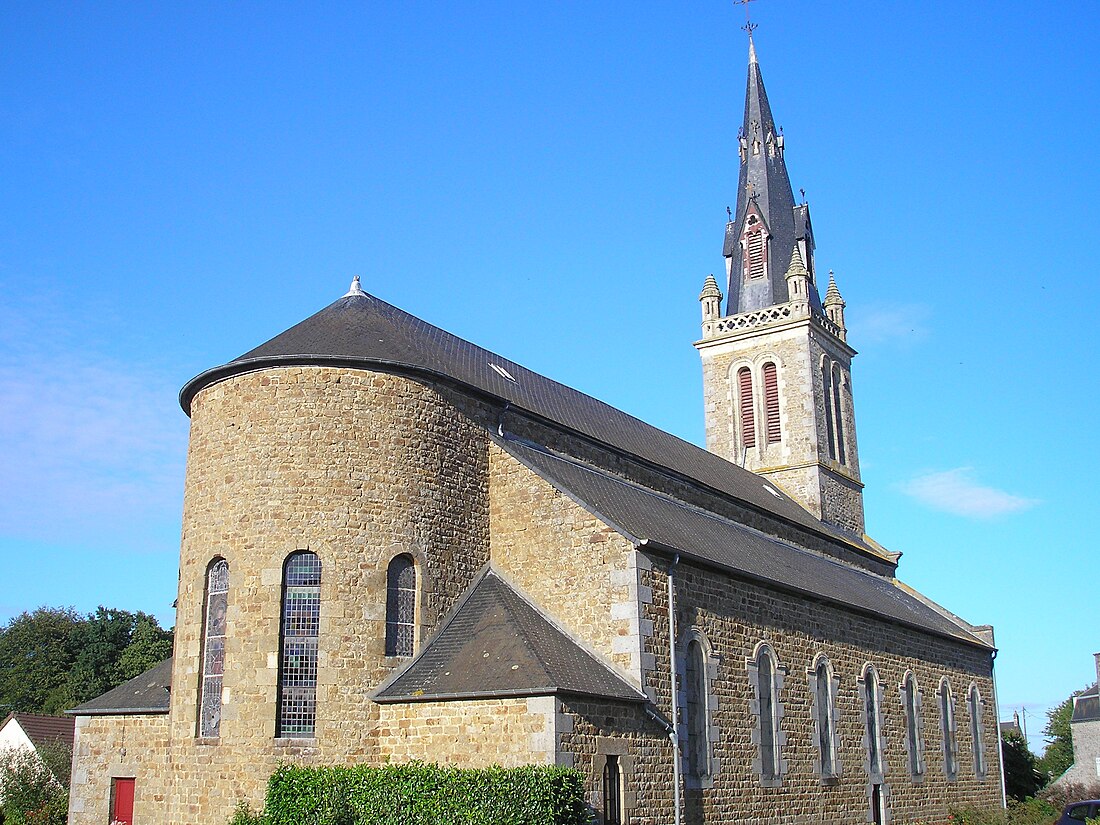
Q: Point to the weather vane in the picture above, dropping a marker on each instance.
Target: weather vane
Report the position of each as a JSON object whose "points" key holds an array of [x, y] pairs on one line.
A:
{"points": [[749, 26]]}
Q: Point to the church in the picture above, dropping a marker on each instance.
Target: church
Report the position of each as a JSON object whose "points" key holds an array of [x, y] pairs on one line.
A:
{"points": [[398, 546]]}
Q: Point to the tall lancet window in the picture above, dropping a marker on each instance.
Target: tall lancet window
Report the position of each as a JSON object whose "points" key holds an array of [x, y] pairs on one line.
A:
{"points": [[838, 414], [947, 728], [401, 606], [213, 648], [827, 390], [914, 739], [300, 631], [771, 403], [974, 700], [745, 406]]}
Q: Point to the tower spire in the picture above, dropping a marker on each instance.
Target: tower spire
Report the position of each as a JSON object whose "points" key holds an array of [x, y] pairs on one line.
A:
{"points": [[767, 223]]}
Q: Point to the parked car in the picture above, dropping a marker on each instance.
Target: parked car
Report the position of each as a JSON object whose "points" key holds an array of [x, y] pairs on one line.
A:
{"points": [[1077, 812]]}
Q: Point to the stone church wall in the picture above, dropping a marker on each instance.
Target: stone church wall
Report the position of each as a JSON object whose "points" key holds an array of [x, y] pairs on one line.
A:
{"points": [[734, 616], [470, 734], [108, 747], [356, 467]]}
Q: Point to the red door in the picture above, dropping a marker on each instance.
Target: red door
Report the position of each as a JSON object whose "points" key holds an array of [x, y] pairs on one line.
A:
{"points": [[122, 801]]}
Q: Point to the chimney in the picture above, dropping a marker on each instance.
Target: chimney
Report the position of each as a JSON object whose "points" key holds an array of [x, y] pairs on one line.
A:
{"points": [[1096, 656]]}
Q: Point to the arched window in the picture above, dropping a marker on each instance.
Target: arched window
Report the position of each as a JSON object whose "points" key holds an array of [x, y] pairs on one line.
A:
{"points": [[838, 415], [771, 403], [301, 622], [745, 405], [872, 723], [827, 390], [612, 791], [213, 648], [697, 694], [974, 700], [824, 713], [768, 677], [914, 740], [401, 606], [947, 726]]}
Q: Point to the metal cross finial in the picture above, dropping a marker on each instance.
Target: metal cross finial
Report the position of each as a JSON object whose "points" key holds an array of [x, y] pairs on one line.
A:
{"points": [[729, 214], [749, 26]]}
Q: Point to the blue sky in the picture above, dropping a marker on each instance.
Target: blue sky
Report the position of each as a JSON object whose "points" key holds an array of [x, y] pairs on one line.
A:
{"points": [[549, 180]]}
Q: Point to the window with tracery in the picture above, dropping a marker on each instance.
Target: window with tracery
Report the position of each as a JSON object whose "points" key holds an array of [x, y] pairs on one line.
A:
{"points": [[213, 648], [401, 606], [301, 623]]}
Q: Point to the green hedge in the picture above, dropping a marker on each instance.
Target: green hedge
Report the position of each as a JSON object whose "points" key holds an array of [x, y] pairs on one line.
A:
{"points": [[424, 794]]}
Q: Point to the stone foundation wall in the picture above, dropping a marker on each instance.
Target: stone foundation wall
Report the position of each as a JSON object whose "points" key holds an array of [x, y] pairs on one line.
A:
{"points": [[470, 734], [109, 747]]}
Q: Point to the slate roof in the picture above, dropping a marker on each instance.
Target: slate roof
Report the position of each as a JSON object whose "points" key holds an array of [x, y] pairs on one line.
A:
{"points": [[147, 693], [496, 644], [771, 189], [361, 330], [650, 516], [42, 730], [1086, 707]]}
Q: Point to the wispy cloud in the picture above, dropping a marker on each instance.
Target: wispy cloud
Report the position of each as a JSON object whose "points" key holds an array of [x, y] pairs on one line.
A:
{"points": [[92, 448], [955, 491], [902, 323]]}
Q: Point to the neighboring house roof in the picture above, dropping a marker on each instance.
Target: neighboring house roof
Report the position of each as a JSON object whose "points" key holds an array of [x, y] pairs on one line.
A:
{"points": [[42, 730], [647, 515], [1086, 706], [362, 331], [497, 644], [147, 693], [1008, 727]]}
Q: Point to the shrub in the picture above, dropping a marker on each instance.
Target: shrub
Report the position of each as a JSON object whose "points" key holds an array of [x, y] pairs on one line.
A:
{"points": [[1062, 794], [1029, 812], [244, 815], [424, 794], [32, 793]]}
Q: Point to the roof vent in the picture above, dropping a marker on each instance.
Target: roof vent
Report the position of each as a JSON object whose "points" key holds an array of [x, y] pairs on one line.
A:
{"points": [[503, 373], [355, 288]]}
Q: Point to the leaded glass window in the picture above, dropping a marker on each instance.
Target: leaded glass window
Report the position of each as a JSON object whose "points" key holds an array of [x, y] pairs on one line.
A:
{"points": [[769, 723], [872, 722], [947, 725], [914, 740], [612, 792], [697, 711], [975, 702], [825, 718], [401, 606], [301, 619], [213, 648]]}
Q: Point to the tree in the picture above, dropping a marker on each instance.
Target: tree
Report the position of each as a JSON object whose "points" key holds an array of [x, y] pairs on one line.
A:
{"points": [[1022, 778], [35, 657], [1058, 756], [55, 658]]}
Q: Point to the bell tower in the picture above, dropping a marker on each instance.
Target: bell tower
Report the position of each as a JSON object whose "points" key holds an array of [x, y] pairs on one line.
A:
{"points": [[777, 365]]}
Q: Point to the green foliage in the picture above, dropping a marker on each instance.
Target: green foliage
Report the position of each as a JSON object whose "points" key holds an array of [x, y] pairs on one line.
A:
{"points": [[55, 658], [1022, 778], [424, 794], [33, 794], [244, 815], [1058, 756], [1030, 812]]}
